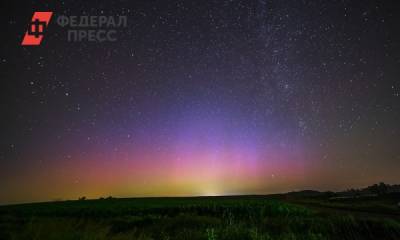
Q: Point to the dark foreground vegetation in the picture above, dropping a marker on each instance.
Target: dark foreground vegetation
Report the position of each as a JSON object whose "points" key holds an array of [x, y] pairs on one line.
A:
{"points": [[289, 216]]}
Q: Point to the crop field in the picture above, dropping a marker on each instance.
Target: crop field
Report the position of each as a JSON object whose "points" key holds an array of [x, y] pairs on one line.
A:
{"points": [[209, 218]]}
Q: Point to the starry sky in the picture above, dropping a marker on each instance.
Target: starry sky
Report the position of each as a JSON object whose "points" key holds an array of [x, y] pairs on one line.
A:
{"points": [[201, 98]]}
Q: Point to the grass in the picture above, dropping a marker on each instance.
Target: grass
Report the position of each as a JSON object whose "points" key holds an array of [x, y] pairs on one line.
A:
{"points": [[214, 218]]}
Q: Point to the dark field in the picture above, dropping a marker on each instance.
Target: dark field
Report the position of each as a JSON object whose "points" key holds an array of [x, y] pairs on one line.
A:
{"points": [[211, 218]]}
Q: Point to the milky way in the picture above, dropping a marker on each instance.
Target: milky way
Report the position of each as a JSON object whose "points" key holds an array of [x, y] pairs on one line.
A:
{"points": [[202, 98]]}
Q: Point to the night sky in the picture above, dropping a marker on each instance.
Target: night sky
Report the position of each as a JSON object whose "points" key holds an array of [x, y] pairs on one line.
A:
{"points": [[201, 98]]}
